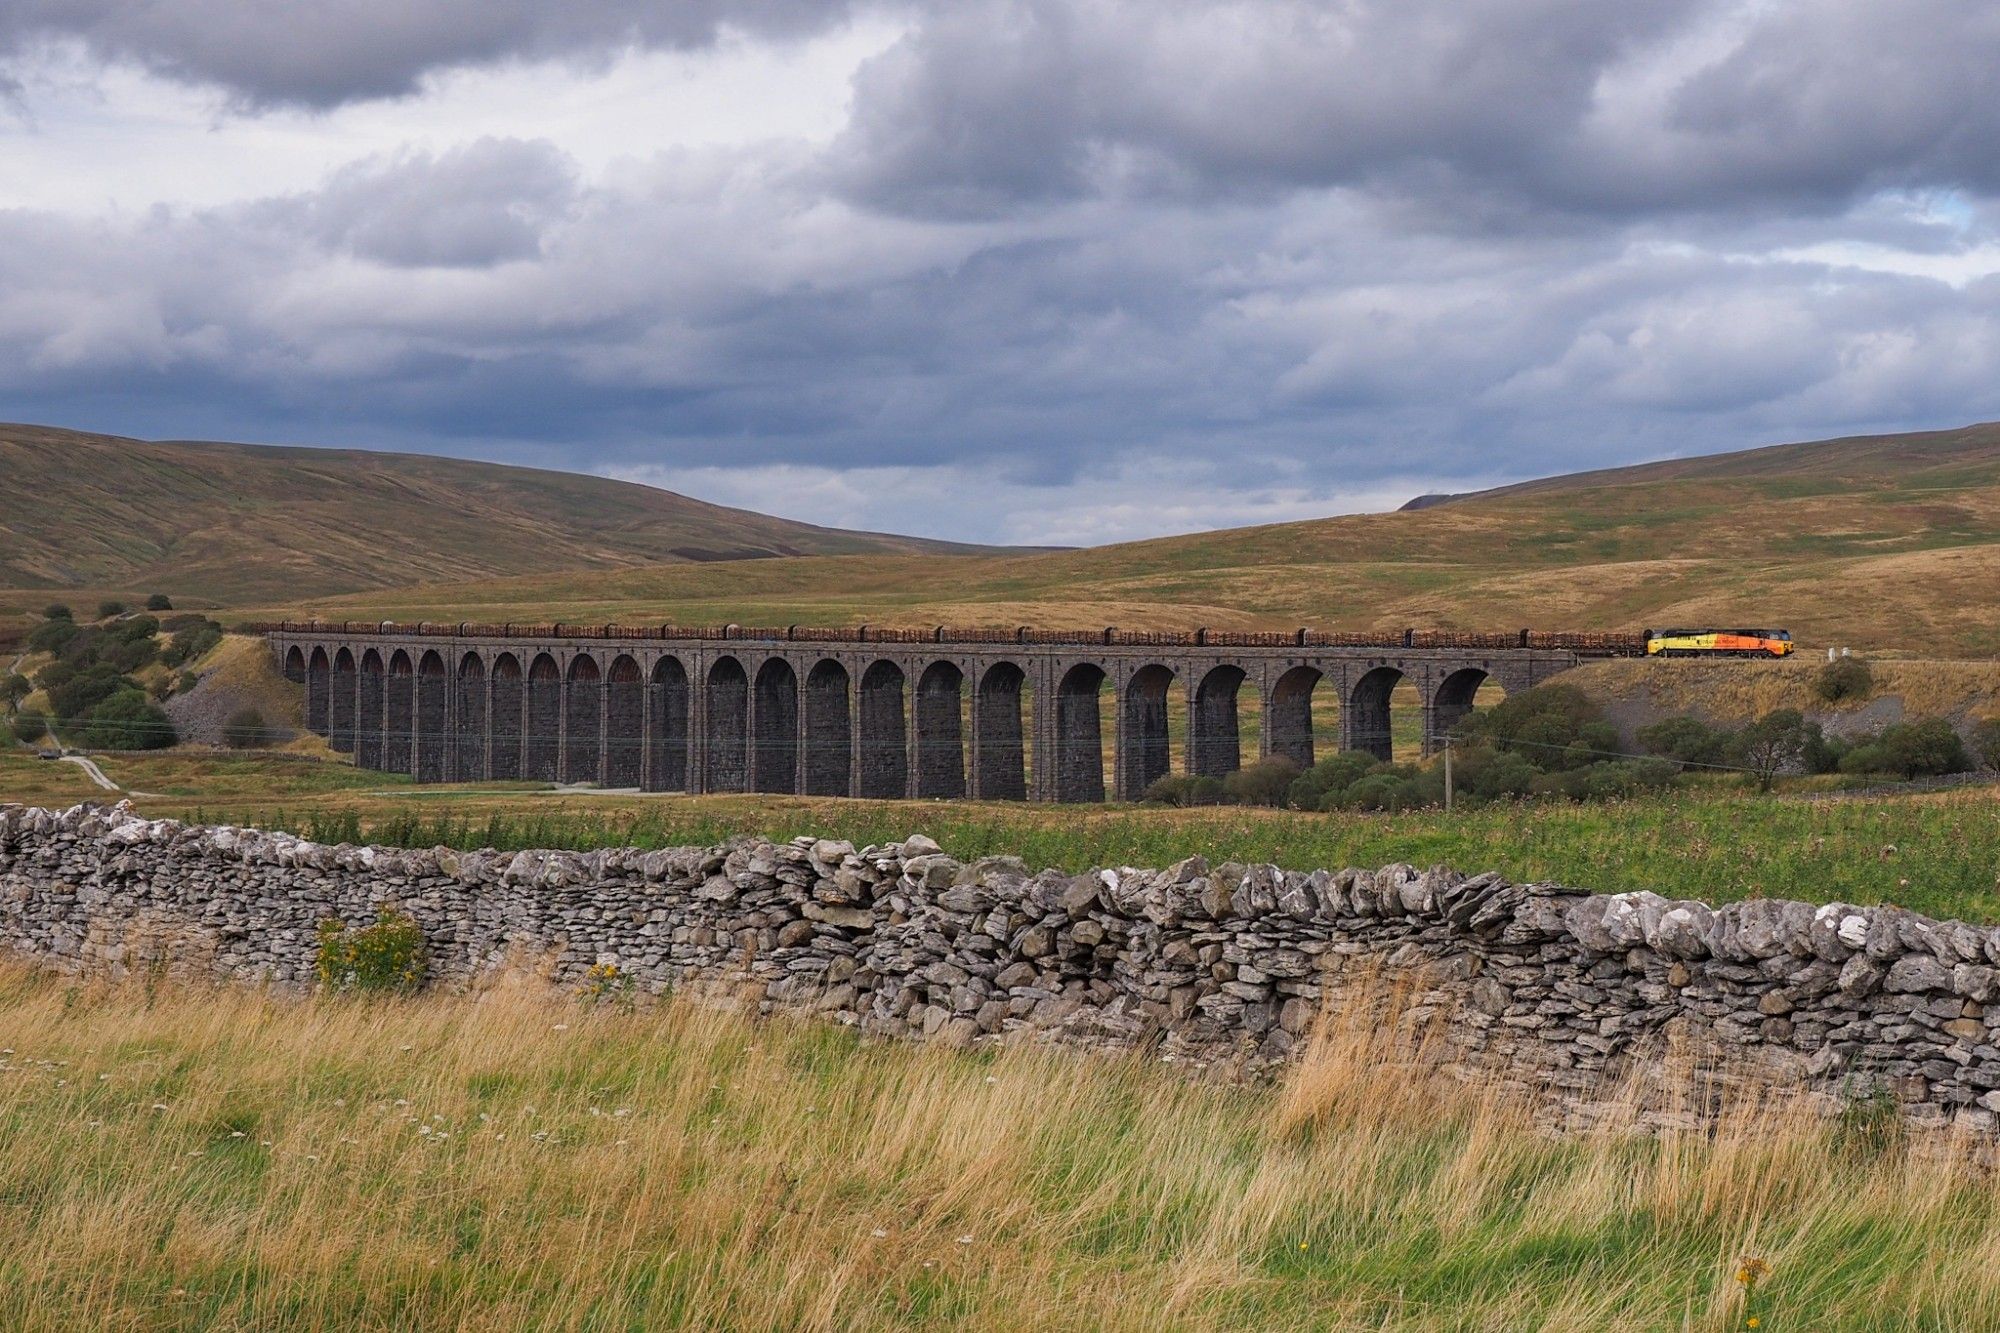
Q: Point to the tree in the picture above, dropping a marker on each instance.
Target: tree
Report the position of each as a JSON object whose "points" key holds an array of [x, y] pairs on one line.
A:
{"points": [[192, 641], [159, 601], [1772, 744], [245, 730], [53, 635], [107, 609], [15, 688], [57, 611], [1986, 742], [30, 727], [72, 694], [128, 720]]}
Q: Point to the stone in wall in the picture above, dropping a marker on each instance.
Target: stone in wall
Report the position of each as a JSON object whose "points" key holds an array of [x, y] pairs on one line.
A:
{"points": [[1230, 962]]}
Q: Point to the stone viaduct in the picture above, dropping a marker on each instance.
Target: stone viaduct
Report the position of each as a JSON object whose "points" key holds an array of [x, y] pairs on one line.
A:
{"points": [[1007, 714]]}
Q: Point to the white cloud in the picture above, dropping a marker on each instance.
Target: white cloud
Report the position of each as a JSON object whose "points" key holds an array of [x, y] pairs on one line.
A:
{"points": [[94, 136]]}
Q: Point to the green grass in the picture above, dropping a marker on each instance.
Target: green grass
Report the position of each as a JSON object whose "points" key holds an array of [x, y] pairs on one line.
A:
{"points": [[1936, 855]]}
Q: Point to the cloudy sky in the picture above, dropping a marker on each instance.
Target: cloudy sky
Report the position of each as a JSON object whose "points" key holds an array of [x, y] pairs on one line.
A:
{"points": [[1009, 270]]}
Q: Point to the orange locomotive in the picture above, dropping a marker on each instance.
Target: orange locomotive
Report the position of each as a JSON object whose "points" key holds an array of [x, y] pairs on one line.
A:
{"points": [[1718, 643]]}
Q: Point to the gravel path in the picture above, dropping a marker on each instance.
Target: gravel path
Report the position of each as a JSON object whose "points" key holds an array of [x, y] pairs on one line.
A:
{"points": [[95, 773]]}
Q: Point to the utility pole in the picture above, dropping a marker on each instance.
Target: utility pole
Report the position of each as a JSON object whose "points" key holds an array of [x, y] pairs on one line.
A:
{"points": [[1447, 773]]}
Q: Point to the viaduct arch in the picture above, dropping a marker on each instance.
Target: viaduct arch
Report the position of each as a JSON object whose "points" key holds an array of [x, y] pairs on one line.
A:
{"points": [[1020, 714]]}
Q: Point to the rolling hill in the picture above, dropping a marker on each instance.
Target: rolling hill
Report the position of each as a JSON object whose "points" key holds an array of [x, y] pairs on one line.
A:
{"points": [[230, 523], [1889, 543]]}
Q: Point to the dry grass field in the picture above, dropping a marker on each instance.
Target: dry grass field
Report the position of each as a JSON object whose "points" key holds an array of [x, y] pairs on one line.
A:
{"points": [[1736, 692], [216, 524], [187, 1158], [1883, 544]]}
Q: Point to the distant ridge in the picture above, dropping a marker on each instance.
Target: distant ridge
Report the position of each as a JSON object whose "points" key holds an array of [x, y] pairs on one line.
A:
{"points": [[235, 522], [1889, 543], [1431, 501], [1849, 458]]}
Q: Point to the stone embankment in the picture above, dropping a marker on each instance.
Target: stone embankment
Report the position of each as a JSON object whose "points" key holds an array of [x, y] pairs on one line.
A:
{"points": [[1561, 988]]}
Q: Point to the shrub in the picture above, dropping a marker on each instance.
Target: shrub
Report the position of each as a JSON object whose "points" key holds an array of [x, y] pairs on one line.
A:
{"points": [[57, 611], [186, 681], [1391, 787], [1608, 780], [1167, 789], [128, 720], [1686, 740], [15, 688], [108, 609], [387, 956], [1266, 782], [1910, 750], [30, 726], [1844, 678], [1205, 791], [245, 730], [159, 601], [1332, 774], [1486, 774], [1986, 742], [1554, 726]]}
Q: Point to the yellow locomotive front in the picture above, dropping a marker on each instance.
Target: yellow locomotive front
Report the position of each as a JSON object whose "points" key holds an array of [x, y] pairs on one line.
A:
{"points": [[1718, 643]]}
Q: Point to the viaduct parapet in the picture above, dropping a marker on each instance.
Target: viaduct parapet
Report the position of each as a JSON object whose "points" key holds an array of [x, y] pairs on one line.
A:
{"points": [[1018, 714]]}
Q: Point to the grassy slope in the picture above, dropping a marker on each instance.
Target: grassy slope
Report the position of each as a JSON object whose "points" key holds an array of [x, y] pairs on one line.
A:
{"points": [[1734, 692], [230, 1159], [1884, 543], [232, 522]]}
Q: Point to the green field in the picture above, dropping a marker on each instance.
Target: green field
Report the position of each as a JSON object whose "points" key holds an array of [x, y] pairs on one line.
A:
{"points": [[1937, 854]]}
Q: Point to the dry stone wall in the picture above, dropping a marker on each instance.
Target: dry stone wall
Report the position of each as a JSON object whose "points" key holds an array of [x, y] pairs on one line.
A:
{"points": [[1557, 986]]}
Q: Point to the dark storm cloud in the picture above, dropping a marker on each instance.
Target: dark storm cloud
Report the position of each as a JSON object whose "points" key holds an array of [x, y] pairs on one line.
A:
{"points": [[322, 53], [1474, 107], [1220, 261]]}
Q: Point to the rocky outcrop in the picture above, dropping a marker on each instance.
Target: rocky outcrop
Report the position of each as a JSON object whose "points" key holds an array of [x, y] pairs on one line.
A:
{"points": [[1557, 986]]}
